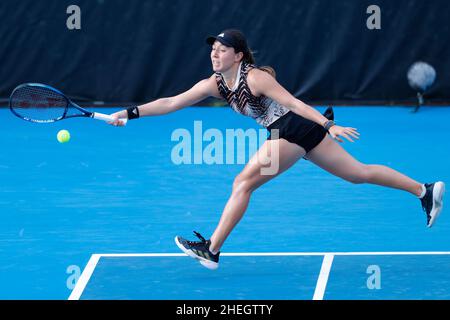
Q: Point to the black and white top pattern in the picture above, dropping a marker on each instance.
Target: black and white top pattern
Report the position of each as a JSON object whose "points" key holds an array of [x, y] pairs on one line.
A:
{"points": [[263, 109]]}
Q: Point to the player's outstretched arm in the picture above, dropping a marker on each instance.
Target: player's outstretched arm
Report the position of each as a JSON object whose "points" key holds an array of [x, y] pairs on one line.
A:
{"points": [[200, 91]]}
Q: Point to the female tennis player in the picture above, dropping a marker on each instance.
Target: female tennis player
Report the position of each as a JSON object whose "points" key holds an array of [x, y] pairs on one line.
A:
{"points": [[297, 130]]}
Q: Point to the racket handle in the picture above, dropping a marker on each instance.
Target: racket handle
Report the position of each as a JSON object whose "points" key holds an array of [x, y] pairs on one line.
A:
{"points": [[106, 117]]}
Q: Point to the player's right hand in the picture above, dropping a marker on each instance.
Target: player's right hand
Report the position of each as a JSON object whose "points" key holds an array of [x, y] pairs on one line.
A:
{"points": [[117, 122]]}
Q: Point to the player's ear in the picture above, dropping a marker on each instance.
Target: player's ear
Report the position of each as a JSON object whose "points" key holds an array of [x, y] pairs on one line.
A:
{"points": [[238, 57]]}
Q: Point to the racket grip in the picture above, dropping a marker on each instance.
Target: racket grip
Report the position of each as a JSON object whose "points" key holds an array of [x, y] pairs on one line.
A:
{"points": [[106, 117]]}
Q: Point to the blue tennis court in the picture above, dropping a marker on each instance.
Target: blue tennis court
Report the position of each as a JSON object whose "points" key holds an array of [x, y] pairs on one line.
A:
{"points": [[95, 218]]}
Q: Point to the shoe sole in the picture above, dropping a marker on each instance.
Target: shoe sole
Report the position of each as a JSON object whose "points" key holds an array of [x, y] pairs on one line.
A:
{"points": [[211, 265], [438, 194]]}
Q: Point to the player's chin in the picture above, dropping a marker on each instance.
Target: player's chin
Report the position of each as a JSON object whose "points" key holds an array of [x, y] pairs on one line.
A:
{"points": [[216, 68]]}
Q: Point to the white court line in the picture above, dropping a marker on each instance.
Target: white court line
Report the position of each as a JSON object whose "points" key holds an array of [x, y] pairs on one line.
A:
{"points": [[276, 254], [84, 278], [323, 277], [89, 269]]}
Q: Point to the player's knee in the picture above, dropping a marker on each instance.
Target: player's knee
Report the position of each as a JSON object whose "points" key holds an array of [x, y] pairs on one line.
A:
{"points": [[242, 183], [361, 175], [237, 182]]}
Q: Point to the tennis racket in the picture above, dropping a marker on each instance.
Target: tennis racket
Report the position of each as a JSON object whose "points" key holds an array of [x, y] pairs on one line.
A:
{"points": [[40, 103]]}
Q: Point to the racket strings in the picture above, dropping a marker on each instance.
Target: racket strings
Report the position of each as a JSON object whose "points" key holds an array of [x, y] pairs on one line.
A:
{"points": [[38, 103]]}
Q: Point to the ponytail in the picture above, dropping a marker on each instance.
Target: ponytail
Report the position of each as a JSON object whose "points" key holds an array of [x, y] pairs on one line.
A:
{"points": [[250, 59], [269, 70]]}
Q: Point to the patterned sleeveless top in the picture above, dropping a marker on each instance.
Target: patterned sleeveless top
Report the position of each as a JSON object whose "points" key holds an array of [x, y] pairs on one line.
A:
{"points": [[263, 109]]}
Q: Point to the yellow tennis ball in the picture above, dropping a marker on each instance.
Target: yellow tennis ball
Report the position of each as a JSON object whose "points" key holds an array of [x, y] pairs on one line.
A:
{"points": [[63, 136]]}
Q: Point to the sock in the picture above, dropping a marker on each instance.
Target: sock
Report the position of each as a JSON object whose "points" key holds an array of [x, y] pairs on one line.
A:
{"points": [[214, 252], [424, 190]]}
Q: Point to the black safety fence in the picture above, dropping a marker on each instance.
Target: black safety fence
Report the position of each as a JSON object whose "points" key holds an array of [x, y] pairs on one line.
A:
{"points": [[117, 51]]}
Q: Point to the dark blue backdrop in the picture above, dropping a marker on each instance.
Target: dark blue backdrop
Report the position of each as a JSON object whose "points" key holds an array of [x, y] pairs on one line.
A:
{"points": [[141, 50]]}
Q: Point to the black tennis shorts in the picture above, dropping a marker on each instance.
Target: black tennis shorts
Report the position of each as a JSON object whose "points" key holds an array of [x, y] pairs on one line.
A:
{"points": [[296, 129]]}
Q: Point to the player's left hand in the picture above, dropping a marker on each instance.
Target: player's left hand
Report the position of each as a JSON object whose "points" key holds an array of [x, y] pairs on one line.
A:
{"points": [[336, 132]]}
